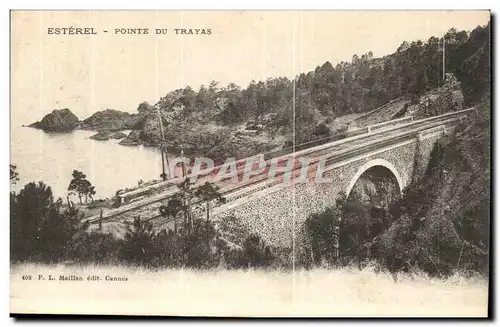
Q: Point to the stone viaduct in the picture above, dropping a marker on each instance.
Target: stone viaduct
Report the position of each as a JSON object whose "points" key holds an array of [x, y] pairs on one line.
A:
{"points": [[276, 209]]}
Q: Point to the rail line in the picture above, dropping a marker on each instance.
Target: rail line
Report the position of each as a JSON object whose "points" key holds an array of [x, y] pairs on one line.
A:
{"points": [[334, 151]]}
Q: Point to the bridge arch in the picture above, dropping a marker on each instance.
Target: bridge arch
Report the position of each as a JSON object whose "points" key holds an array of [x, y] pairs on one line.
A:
{"points": [[373, 163]]}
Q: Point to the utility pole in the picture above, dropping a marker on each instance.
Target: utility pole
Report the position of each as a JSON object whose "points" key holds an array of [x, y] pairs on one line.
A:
{"points": [[444, 58], [187, 193], [163, 149], [183, 165], [100, 220]]}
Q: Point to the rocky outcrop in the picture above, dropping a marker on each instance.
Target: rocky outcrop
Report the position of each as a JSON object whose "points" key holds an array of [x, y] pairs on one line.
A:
{"points": [[133, 138], [107, 135], [112, 120], [104, 120], [62, 120], [448, 97], [150, 133]]}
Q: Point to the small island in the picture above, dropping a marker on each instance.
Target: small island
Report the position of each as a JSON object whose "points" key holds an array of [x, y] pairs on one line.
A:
{"points": [[108, 123], [62, 120], [107, 135]]}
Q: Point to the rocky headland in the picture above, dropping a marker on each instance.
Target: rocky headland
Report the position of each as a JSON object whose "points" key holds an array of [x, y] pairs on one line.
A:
{"points": [[108, 123]]}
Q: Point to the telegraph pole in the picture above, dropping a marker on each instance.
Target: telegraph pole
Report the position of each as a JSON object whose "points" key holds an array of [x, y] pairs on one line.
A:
{"points": [[444, 58], [186, 193], [163, 149], [183, 164]]}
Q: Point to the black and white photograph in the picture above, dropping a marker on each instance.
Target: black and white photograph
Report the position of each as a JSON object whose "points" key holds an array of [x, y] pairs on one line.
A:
{"points": [[250, 163]]}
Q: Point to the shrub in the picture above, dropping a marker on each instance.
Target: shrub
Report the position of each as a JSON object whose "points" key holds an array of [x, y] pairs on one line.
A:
{"points": [[322, 229], [40, 230], [254, 254], [321, 130], [96, 247], [138, 246], [201, 246]]}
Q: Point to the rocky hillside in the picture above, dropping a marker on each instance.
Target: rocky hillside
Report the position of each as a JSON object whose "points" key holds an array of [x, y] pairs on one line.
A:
{"points": [[442, 223], [447, 97], [407, 82], [222, 121]]}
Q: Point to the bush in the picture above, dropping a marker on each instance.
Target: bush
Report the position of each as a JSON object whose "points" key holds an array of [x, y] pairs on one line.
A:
{"points": [[254, 254], [321, 130], [138, 246], [201, 246], [322, 230], [287, 144], [40, 230], [198, 248], [97, 248]]}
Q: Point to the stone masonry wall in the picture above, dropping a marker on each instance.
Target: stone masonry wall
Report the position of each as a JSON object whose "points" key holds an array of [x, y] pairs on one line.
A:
{"points": [[277, 213]]}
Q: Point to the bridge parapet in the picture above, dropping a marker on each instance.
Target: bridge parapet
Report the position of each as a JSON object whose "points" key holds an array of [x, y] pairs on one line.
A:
{"points": [[355, 135], [436, 131], [389, 123], [335, 154]]}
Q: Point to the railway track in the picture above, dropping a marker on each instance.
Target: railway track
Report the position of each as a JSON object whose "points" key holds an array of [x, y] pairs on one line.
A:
{"points": [[336, 151]]}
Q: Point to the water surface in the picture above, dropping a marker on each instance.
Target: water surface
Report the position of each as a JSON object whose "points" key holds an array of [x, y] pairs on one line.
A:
{"points": [[52, 157]]}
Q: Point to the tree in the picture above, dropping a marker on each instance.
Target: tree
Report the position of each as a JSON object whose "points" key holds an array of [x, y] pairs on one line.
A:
{"points": [[14, 175], [323, 231], [80, 186], [208, 193], [138, 246], [256, 252], [201, 246], [186, 195], [404, 46], [213, 86], [172, 209], [355, 229], [40, 230], [144, 107]]}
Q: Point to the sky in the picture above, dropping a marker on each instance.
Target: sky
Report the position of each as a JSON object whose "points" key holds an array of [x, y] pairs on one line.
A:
{"points": [[88, 73]]}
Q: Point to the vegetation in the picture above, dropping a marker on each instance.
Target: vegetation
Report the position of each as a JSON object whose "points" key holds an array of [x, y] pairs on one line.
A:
{"points": [[329, 91], [254, 254], [14, 175], [40, 229], [172, 209], [80, 186], [45, 231], [440, 225], [208, 193]]}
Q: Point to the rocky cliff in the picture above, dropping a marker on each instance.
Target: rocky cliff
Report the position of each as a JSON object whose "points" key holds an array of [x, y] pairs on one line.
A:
{"points": [[57, 121], [448, 97]]}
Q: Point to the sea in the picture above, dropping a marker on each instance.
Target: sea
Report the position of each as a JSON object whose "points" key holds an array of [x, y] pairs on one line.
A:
{"points": [[52, 157]]}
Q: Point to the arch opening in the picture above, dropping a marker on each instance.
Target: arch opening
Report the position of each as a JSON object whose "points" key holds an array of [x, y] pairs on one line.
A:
{"points": [[377, 182], [366, 212]]}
